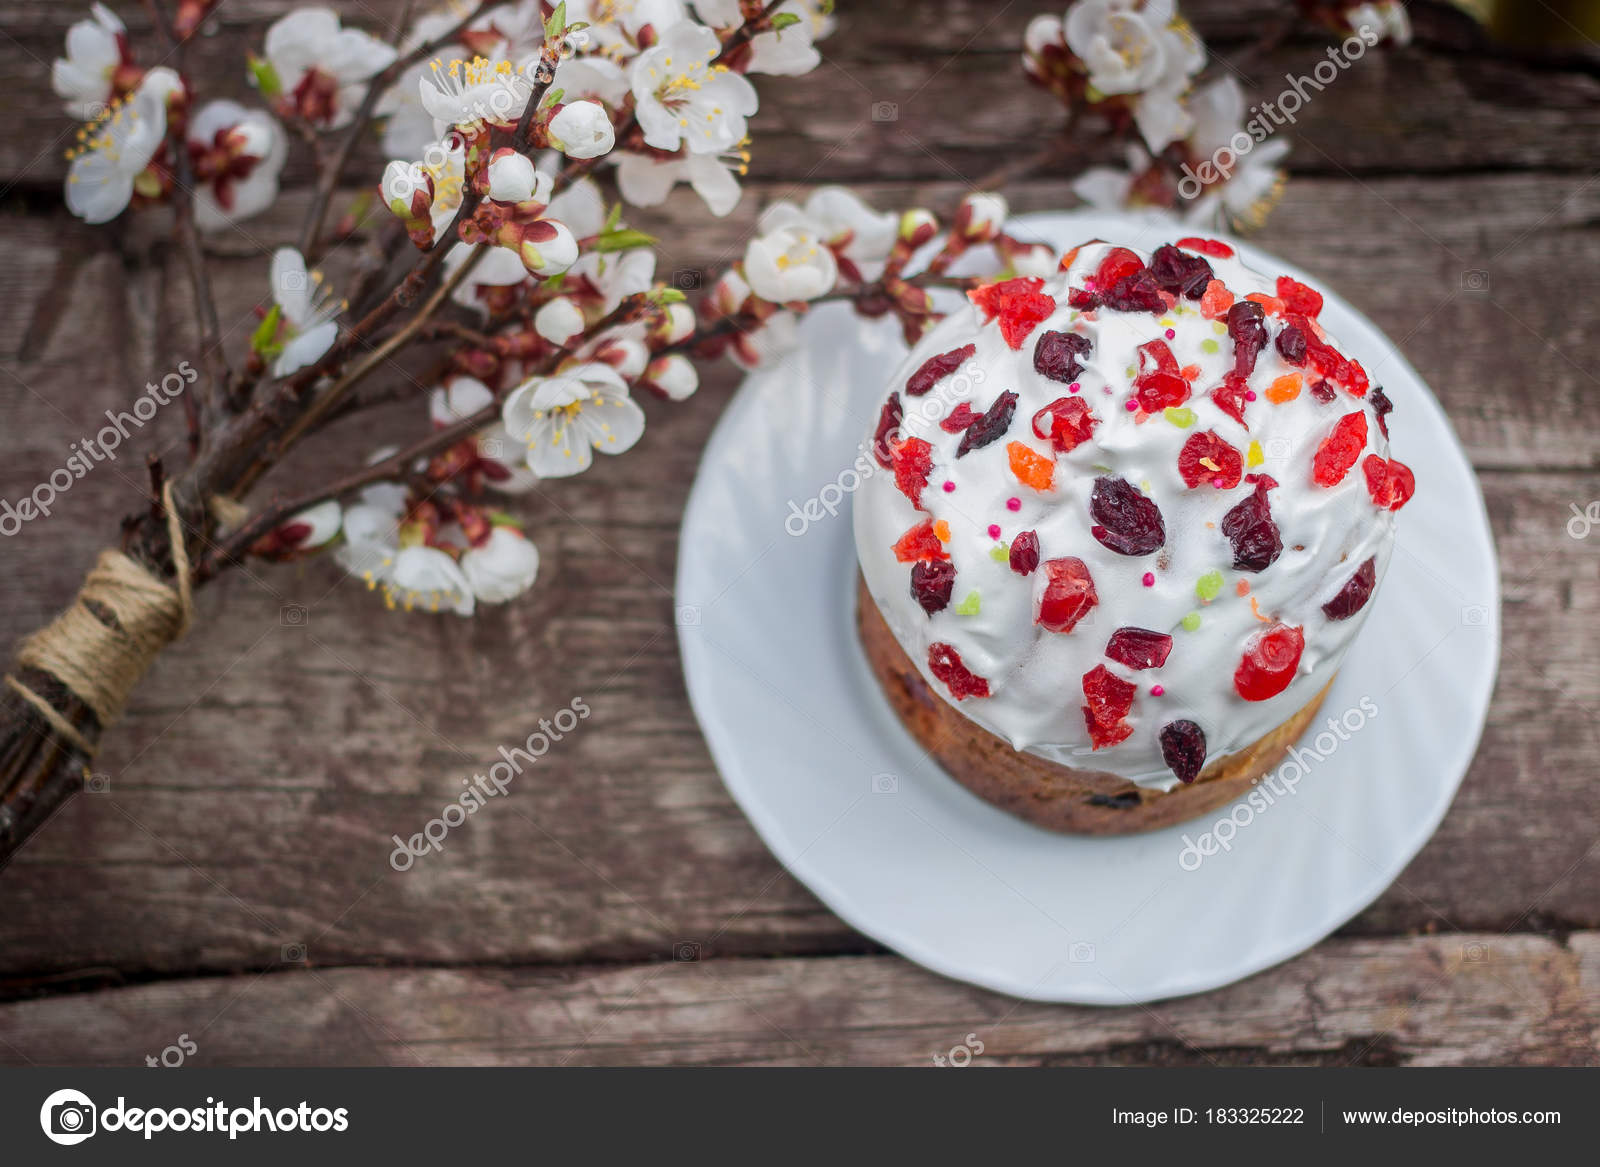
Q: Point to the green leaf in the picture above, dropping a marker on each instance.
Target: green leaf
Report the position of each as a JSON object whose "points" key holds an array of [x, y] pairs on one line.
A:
{"points": [[264, 77], [783, 20], [557, 24], [613, 218], [663, 295], [265, 338], [551, 98], [623, 239]]}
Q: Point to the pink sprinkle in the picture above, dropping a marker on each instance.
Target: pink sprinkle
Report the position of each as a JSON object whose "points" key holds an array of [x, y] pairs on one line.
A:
{"points": [[1171, 335], [1149, 579], [1249, 394], [1013, 504], [1132, 405], [1074, 387], [1157, 691], [949, 486], [994, 530]]}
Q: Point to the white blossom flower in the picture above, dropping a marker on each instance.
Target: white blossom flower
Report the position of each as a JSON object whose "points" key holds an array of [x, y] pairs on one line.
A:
{"points": [[1141, 49], [673, 376], [602, 280], [115, 151], [563, 419], [307, 313], [321, 67], [1250, 183], [499, 457], [471, 94], [97, 54], [502, 567], [683, 99], [789, 262], [582, 207], [787, 52], [1387, 19], [237, 155], [645, 180], [619, 28], [499, 268], [558, 321], [859, 237], [411, 575], [591, 78], [581, 129]]}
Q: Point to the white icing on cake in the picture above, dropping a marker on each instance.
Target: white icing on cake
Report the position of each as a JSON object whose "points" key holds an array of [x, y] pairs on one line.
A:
{"points": [[1035, 676]]}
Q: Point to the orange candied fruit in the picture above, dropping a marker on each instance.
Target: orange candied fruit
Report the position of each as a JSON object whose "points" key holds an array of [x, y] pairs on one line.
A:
{"points": [[942, 530], [1031, 468], [1216, 301], [1189, 372], [1285, 388], [1271, 305]]}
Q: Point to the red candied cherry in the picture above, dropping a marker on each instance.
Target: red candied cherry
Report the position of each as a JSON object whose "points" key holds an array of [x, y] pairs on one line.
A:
{"points": [[920, 543], [931, 584], [1355, 593], [960, 418], [1139, 648], [1156, 356], [913, 462], [1340, 449], [1270, 660], [1183, 749], [1065, 423], [944, 662], [937, 368], [1108, 700], [1231, 395], [1390, 482], [888, 426], [1118, 264], [1059, 355], [1206, 458], [1068, 594], [1024, 555], [1018, 304], [1298, 298], [1158, 391], [1212, 247]]}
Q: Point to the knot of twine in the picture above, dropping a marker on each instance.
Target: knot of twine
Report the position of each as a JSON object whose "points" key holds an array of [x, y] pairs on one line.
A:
{"points": [[99, 647]]}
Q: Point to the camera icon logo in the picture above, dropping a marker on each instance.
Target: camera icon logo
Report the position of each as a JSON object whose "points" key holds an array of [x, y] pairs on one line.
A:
{"points": [[885, 784], [1476, 953], [885, 111], [687, 616], [491, 448], [1475, 280], [1277, 449], [686, 951], [292, 281], [97, 783], [293, 953], [67, 1117], [1081, 953], [1475, 615], [293, 615], [686, 279]]}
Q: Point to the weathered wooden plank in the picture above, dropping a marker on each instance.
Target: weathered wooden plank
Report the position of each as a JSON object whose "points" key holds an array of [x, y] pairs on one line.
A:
{"points": [[1466, 999]]}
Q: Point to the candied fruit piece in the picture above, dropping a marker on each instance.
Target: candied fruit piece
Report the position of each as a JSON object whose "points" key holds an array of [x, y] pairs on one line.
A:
{"points": [[1139, 648], [1231, 396], [931, 584], [1291, 344], [1249, 332], [1083, 301], [1024, 557], [1183, 748], [960, 418], [913, 462], [1157, 391], [1125, 520], [1328, 363], [1270, 659], [1068, 594], [888, 426], [944, 662], [1118, 264], [1182, 275], [1135, 293], [1156, 356], [1284, 389], [1381, 405], [1340, 449], [1355, 593], [1212, 247], [1059, 355], [1390, 482], [1216, 301], [991, 427], [1031, 467], [1065, 423], [920, 543], [1108, 701], [1323, 391], [1271, 305], [1298, 298], [1251, 530], [1018, 304], [937, 368], [1206, 458]]}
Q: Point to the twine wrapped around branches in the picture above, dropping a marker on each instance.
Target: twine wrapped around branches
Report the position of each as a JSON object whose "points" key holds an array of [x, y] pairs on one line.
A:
{"points": [[100, 647]]}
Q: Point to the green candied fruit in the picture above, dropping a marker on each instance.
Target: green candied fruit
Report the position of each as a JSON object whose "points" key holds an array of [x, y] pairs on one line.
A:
{"points": [[1000, 553], [1209, 346], [968, 606], [1209, 587], [1179, 415], [1191, 622]]}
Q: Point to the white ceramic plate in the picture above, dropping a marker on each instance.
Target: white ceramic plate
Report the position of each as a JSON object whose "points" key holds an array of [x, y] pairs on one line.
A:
{"points": [[853, 808]]}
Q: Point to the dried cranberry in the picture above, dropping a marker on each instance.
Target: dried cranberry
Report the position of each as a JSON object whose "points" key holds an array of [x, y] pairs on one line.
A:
{"points": [[1230, 396], [1390, 482], [1139, 648], [1340, 449], [1135, 293], [913, 462], [1081, 300], [1118, 264], [960, 418], [1356, 592], [1058, 355], [1298, 298], [1328, 362], [1025, 553], [1291, 344], [1250, 528], [1183, 748], [991, 427], [1270, 659], [1125, 520], [944, 663], [931, 584], [936, 369], [888, 425], [1108, 701], [1206, 458], [920, 543], [1381, 405], [1249, 332], [1068, 594], [1182, 275], [1065, 423], [1323, 391]]}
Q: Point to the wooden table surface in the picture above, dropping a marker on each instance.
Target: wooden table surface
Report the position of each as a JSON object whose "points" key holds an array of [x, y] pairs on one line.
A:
{"points": [[232, 882]]}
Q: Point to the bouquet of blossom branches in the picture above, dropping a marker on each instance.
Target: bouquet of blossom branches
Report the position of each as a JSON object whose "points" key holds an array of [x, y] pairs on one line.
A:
{"points": [[495, 254]]}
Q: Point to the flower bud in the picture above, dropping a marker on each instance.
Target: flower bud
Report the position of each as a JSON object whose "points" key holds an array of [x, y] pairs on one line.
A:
{"points": [[980, 217], [917, 226], [581, 129], [558, 321], [547, 248], [673, 376], [512, 177]]}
